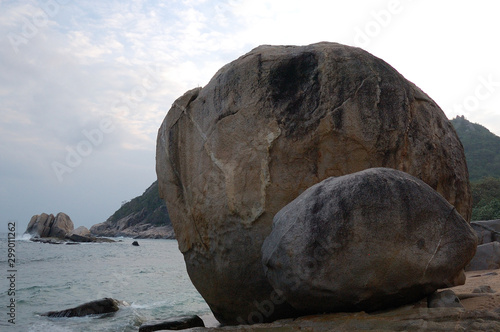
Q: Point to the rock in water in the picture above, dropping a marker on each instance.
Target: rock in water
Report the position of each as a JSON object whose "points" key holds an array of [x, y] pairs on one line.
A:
{"points": [[45, 225], [174, 323], [80, 238], [39, 225], [366, 241], [62, 226], [102, 306], [268, 126]]}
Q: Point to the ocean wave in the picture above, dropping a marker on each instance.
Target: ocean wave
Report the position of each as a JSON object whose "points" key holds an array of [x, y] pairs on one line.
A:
{"points": [[48, 326], [153, 305], [23, 237], [58, 277], [32, 288]]}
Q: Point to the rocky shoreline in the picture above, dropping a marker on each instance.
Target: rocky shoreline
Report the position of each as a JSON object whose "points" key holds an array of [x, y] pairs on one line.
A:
{"points": [[141, 231], [85, 239], [144, 217]]}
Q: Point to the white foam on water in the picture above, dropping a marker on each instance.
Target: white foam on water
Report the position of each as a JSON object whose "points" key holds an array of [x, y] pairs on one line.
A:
{"points": [[151, 305], [23, 237]]}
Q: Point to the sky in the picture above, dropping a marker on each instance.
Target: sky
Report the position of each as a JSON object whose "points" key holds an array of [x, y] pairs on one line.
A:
{"points": [[85, 85]]}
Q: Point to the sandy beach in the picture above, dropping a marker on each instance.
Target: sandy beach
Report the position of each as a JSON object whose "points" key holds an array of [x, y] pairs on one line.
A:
{"points": [[481, 291], [480, 297]]}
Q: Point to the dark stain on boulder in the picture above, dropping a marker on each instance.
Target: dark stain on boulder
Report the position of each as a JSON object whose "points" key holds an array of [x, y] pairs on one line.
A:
{"points": [[295, 90]]}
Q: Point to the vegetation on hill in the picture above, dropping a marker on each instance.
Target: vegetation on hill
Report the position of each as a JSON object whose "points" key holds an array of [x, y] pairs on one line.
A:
{"points": [[482, 151], [153, 207], [486, 199]]}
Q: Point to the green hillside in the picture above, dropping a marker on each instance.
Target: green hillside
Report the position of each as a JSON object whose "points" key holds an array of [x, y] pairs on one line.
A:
{"points": [[482, 151], [153, 208]]}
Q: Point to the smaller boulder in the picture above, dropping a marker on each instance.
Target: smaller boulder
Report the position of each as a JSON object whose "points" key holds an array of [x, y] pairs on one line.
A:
{"points": [[487, 231], [102, 306], [444, 299], [367, 241], [487, 257], [483, 289], [80, 238], [135, 243], [82, 231], [174, 323]]}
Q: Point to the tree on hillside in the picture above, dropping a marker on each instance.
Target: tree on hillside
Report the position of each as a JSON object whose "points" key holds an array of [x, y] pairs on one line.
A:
{"points": [[486, 199]]}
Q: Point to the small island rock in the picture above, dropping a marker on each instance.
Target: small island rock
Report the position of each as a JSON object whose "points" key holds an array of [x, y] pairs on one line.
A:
{"points": [[45, 225]]}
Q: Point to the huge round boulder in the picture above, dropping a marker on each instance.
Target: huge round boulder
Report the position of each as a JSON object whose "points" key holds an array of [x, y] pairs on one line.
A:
{"points": [[366, 241], [268, 126]]}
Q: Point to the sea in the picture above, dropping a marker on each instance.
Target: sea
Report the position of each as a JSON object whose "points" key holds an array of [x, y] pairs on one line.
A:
{"points": [[151, 278]]}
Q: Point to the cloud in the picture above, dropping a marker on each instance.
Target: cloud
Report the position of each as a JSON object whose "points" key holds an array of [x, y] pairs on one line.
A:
{"points": [[76, 64], [91, 61]]}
